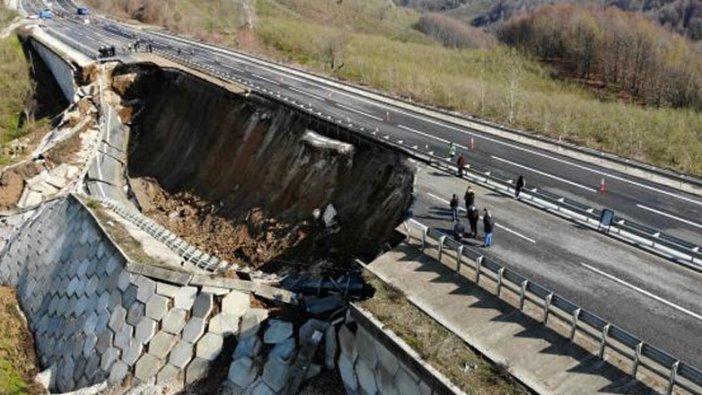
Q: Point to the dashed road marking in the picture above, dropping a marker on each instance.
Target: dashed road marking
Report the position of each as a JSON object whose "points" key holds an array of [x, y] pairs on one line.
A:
{"points": [[543, 173], [642, 291]]}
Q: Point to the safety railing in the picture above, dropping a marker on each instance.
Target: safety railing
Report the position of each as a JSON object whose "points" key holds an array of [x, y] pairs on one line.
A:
{"points": [[606, 336]]}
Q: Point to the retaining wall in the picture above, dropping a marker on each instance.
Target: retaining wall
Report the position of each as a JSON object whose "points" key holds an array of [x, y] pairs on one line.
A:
{"points": [[375, 361], [63, 72], [93, 320]]}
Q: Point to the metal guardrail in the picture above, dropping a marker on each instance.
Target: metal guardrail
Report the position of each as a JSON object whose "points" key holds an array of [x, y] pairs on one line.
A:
{"points": [[608, 336]]}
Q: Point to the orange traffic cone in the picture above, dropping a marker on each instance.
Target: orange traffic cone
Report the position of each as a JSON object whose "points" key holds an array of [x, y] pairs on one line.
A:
{"points": [[603, 185]]}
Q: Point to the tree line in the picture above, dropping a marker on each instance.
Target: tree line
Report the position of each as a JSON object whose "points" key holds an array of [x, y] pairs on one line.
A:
{"points": [[617, 50]]}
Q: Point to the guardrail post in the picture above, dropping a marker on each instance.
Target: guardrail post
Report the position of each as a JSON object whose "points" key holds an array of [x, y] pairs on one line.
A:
{"points": [[522, 294], [478, 266], [500, 274], [603, 340], [441, 246], [547, 307], [574, 323], [459, 254], [637, 359], [673, 377]]}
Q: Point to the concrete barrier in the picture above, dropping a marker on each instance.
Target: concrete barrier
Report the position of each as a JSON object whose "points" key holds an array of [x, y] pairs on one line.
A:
{"points": [[63, 71], [373, 360]]}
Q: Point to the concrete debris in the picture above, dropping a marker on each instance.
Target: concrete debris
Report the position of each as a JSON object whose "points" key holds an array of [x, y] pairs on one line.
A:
{"points": [[277, 331]]}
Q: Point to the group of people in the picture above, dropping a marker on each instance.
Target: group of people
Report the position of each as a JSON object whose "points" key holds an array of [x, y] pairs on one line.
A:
{"points": [[473, 215]]}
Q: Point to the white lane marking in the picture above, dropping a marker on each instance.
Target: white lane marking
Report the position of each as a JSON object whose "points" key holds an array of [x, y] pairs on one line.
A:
{"points": [[642, 291], [669, 215], [306, 93], [575, 184], [496, 224], [265, 79], [419, 132], [360, 112]]}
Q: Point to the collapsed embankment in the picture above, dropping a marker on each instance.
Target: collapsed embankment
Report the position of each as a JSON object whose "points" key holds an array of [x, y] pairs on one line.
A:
{"points": [[241, 176]]}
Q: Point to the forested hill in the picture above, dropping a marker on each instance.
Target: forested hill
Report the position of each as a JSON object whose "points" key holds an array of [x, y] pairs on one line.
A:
{"points": [[682, 16]]}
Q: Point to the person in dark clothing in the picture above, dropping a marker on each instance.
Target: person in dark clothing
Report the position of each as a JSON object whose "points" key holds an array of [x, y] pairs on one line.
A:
{"points": [[488, 224], [459, 231], [519, 187], [454, 207], [473, 217], [469, 197], [460, 163]]}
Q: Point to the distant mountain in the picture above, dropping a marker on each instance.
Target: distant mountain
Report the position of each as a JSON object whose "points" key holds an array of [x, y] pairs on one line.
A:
{"points": [[682, 16]]}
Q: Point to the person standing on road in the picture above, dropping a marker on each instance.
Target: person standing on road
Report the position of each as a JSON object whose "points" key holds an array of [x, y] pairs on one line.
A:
{"points": [[488, 224], [454, 207], [469, 197], [461, 163], [473, 217], [452, 150], [520, 186]]}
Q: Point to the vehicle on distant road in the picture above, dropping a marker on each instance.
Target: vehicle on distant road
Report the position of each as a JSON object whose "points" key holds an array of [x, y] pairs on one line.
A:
{"points": [[46, 14], [82, 11]]}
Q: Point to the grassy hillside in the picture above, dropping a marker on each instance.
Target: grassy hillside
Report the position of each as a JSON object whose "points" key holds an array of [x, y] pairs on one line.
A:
{"points": [[378, 46]]}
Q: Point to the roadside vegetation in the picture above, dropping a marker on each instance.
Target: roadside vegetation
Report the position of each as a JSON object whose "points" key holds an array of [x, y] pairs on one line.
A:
{"points": [[17, 359], [381, 45], [17, 88], [438, 346]]}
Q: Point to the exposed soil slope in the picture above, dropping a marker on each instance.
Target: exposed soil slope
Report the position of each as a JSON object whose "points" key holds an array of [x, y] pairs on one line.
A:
{"points": [[243, 175]]}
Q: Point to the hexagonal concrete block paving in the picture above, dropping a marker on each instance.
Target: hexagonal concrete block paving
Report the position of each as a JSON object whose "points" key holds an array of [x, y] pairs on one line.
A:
{"points": [[174, 321], [275, 374], [157, 307], [209, 346], [181, 355], [243, 372], [161, 344], [118, 372], [147, 288], [133, 352], [135, 313], [118, 318], [236, 303], [146, 367], [202, 307], [145, 330], [193, 330], [224, 324], [196, 370], [184, 298], [168, 374], [108, 358]]}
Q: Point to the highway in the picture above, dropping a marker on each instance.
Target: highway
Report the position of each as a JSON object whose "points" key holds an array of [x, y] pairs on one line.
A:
{"points": [[644, 294], [660, 207]]}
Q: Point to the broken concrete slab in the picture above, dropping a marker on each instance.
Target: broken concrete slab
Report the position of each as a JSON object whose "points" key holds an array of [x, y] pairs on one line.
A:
{"points": [[224, 324], [193, 330], [184, 298], [174, 321], [161, 344]]}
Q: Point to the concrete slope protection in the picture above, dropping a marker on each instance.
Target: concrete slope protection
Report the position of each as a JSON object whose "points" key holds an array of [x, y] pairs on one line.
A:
{"points": [[634, 198]]}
